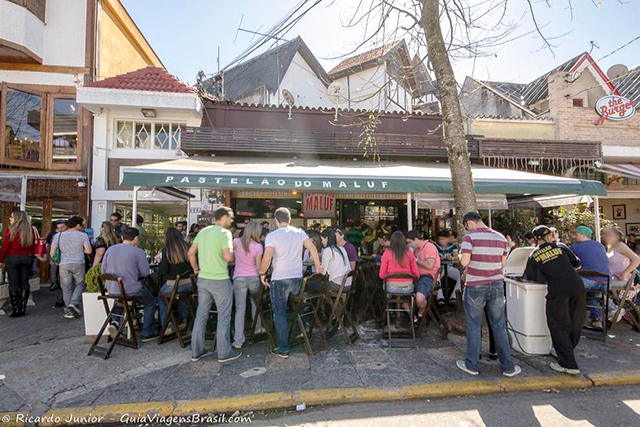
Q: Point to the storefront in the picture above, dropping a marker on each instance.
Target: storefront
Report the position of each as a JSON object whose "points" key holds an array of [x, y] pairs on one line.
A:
{"points": [[334, 192]]}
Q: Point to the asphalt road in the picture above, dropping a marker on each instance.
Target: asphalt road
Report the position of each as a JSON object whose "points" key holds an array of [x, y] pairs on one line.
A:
{"points": [[594, 407]]}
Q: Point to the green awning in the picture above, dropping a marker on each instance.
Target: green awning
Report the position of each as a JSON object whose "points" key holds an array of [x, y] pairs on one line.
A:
{"points": [[340, 176]]}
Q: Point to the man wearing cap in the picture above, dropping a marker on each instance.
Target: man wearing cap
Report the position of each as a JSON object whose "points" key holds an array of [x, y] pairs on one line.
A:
{"points": [[554, 263], [593, 257]]}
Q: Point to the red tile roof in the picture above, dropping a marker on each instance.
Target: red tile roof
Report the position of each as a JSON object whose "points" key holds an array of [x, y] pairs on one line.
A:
{"points": [[152, 79]]}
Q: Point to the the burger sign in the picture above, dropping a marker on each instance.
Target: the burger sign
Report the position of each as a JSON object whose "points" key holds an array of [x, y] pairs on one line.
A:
{"points": [[615, 107]]}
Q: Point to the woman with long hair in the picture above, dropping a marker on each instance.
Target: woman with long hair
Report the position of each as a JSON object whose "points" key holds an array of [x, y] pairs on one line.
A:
{"points": [[17, 253], [246, 277], [104, 241], [335, 261], [622, 260], [317, 242], [193, 232], [398, 259], [175, 261]]}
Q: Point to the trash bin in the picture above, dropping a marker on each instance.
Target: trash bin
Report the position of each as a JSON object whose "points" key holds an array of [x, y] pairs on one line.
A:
{"points": [[526, 307]]}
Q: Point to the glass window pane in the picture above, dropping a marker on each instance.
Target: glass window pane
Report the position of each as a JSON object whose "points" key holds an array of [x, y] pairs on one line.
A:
{"points": [[176, 133], [124, 135], [161, 140], [65, 131], [23, 126], [143, 135]]}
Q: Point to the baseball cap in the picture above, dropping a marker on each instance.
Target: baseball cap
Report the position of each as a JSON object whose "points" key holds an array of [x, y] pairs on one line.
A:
{"points": [[541, 231], [583, 229]]}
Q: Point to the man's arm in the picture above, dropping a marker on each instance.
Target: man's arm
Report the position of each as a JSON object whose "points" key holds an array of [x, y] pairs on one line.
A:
{"points": [[87, 245], [427, 264], [193, 258], [266, 262], [227, 254], [314, 254], [465, 251], [465, 259], [143, 265]]}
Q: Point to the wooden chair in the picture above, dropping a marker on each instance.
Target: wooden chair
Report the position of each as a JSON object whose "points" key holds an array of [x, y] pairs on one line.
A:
{"points": [[619, 296], [393, 303], [371, 295], [339, 309], [603, 306], [176, 297], [433, 313], [265, 314], [304, 305], [126, 319]]}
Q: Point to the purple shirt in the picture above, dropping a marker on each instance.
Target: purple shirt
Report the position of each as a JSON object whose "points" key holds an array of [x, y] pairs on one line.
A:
{"points": [[352, 253], [245, 263]]}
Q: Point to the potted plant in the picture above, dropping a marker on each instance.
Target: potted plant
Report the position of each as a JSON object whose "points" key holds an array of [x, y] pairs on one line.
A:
{"points": [[93, 308]]}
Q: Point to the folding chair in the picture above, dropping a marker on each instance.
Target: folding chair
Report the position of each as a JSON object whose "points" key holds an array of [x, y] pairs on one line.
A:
{"points": [[339, 312], [265, 314], [175, 297], [128, 306], [619, 292], [603, 305], [304, 305], [393, 303]]}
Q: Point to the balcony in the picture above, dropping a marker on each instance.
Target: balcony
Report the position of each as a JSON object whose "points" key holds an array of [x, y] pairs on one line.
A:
{"points": [[22, 31]]}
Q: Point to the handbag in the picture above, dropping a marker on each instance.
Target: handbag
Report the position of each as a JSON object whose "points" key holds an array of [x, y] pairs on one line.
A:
{"points": [[40, 245]]}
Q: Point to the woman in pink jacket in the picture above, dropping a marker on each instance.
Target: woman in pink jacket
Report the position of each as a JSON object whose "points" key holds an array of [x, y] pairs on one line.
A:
{"points": [[399, 259]]}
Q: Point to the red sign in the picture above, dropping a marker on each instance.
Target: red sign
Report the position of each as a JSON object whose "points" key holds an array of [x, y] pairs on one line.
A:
{"points": [[319, 205], [614, 107]]}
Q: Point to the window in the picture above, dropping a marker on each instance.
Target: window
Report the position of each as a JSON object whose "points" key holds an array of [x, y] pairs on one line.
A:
{"points": [[145, 135], [65, 131], [22, 130], [578, 102]]}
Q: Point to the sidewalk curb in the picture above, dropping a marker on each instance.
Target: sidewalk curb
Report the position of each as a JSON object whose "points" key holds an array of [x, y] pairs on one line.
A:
{"points": [[115, 413]]}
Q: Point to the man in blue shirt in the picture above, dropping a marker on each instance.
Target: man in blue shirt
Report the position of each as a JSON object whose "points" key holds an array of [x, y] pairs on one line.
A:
{"points": [[593, 257]]}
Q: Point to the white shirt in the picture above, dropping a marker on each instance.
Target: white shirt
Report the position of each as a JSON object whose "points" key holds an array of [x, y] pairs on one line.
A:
{"points": [[287, 258], [336, 266]]}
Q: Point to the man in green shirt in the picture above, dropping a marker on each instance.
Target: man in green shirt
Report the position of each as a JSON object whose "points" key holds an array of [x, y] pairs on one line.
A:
{"points": [[210, 254]]}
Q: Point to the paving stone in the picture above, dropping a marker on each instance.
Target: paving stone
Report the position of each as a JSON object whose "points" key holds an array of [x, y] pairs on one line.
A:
{"points": [[290, 380], [295, 361], [225, 386], [206, 367], [9, 400], [365, 357], [245, 362], [337, 377], [388, 375], [330, 359], [406, 356], [181, 388]]}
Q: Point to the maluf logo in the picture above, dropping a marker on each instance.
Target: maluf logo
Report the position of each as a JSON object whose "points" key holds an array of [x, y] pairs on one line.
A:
{"points": [[614, 107]]}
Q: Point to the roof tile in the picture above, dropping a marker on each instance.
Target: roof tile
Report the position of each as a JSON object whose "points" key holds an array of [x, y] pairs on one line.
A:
{"points": [[151, 79]]}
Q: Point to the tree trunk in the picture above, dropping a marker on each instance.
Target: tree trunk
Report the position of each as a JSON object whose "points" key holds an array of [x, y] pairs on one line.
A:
{"points": [[453, 125]]}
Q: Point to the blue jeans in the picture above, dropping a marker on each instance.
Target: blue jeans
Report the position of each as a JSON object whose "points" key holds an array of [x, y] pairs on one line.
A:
{"points": [[279, 292], [475, 299], [592, 304], [424, 285], [242, 285], [220, 292], [182, 306], [148, 302]]}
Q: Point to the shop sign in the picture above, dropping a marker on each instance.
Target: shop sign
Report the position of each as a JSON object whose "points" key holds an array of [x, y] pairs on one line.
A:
{"points": [[257, 194], [319, 205], [615, 107], [195, 210]]}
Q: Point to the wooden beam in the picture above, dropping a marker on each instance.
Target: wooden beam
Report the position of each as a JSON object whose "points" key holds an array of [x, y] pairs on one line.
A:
{"points": [[43, 68], [47, 215], [21, 50]]}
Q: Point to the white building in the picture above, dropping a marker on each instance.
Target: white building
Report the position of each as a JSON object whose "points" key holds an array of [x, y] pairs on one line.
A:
{"points": [[139, 118]]}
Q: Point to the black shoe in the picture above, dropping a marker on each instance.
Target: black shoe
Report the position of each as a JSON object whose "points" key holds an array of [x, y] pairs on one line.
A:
{"points": [[232, 356], [24, 298], [493, 356], [59, 304], [15, 297], [277, 352], [151, 337], [197, 358]]}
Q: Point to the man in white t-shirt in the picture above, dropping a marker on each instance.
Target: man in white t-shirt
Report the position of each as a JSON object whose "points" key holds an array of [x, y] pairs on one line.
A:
{"points": [[284, 246]]}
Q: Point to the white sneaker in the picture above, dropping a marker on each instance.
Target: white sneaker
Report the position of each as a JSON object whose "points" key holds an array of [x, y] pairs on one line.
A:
{"points": [[554, 353], [461, 364], [556, 367], [112, 330], [516, 371]]}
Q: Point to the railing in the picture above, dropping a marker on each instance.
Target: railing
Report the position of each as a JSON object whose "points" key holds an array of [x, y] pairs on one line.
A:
{"points": [[542, 149], [37, 7], [208, 140]]}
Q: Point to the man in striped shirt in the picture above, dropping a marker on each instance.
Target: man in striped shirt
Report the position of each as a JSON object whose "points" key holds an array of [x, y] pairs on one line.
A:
{"points": [[484, 254]]}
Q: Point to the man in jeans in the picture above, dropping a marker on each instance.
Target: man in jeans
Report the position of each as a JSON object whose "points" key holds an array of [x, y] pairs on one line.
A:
{"points": [[210, 254], [284, 246], [74, 244], [484, 254], [127, 261], [58, 227], [593, 257]]}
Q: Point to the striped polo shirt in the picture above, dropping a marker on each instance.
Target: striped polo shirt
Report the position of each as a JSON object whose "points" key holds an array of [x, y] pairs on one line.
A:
{"points": [[487, 247]]}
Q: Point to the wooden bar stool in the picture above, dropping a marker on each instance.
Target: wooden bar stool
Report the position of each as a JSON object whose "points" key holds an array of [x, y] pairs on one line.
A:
{"points": [[393, 303], [171, 299], [265, 314], [603, 306], [125, 319], [304, 305], [339, 309], [619, 292]]}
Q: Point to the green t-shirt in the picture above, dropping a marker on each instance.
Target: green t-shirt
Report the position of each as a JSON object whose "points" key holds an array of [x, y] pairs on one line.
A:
{"points": [[211, 241]]}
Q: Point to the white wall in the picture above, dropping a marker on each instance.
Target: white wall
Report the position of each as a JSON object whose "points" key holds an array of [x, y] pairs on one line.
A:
{"points": [[64, 33], [302, 82], [20, 26]]}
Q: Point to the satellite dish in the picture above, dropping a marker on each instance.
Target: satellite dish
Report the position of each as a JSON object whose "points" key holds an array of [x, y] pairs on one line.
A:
{"points": [[288, 96], [616, 71]]}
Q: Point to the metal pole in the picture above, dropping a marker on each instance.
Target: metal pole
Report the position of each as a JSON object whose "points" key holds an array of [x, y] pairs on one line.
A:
{"points": [[134, 211], [409, 212], [23, 194], [490, 218], [596, 211]]}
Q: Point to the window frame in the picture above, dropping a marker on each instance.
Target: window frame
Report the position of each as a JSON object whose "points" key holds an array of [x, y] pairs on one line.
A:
{"points": [[51, 110], [152, 134]]}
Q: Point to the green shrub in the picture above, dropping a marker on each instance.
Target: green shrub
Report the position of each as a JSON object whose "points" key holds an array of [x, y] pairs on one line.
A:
{"points": [[92, 277]]}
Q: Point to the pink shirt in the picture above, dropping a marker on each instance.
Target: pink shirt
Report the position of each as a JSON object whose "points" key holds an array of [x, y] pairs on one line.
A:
{"points": [[245, 264], [390, 266], [428, 251]]}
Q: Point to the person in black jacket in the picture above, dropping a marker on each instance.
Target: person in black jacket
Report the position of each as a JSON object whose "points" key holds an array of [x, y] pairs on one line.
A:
{"points": [[555, 264], [175, 261]]}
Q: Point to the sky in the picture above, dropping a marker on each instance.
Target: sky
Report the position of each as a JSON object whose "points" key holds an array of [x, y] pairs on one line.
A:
{"points": [[186, 34]]}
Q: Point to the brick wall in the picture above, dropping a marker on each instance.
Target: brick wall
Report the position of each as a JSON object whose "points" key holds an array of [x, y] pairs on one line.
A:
{"points": [[576, 123]]}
